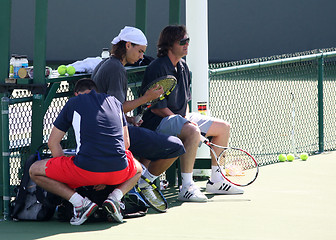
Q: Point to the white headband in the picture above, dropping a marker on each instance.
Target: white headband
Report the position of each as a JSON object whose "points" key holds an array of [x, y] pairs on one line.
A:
{"points": [[131, 34]]}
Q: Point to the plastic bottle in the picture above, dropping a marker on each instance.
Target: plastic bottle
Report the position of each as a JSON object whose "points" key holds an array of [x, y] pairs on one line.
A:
{"points": [[105, 53], [16, 66], [24, 61], [11, 66]]}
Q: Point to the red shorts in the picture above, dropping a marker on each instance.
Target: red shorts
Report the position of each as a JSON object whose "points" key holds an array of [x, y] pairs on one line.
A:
{"points": [[63, 169]]}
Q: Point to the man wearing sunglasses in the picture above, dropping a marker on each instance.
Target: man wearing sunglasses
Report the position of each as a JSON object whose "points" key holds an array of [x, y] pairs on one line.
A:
{"points": [[171, 116]]}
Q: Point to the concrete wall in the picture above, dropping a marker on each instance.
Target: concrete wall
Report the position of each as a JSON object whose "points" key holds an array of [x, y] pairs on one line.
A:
{"points": [[238, 29]]}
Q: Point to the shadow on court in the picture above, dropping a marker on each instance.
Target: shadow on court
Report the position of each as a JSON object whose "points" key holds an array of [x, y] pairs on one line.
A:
{"points": [[28, 230], [291, 200]]}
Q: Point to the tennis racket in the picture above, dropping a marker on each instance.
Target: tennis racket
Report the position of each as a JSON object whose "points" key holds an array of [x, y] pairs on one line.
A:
{"points": [[153, 196], [168, 84], [235, 164]]}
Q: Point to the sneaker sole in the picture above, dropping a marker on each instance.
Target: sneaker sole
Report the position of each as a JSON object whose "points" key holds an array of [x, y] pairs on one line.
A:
{"points": [[110, 208], [222, 192], [85, 216], [182, 199]]}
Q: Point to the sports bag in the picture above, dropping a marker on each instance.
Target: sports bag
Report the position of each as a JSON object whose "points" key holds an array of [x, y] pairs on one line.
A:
{"points": [[32, 202]]}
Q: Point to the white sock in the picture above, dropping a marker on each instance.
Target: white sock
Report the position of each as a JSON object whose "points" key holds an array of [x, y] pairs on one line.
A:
{"points": [[146, 174], [117, 194], [187, 179], [76, 200], [216, 176]]}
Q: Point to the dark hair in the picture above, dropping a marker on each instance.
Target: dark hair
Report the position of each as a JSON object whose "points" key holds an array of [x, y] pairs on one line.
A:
{"points": [[168, 36], [85, 84], [119, 50]]}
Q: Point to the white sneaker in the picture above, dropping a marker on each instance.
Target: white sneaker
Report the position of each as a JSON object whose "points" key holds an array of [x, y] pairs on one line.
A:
{"points": [[191, 193], [223, 187]]}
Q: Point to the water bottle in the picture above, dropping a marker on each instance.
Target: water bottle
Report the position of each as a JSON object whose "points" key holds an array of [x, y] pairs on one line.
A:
{"points": [[105, 53], [24, 61], [16, 66], [11, 66]]}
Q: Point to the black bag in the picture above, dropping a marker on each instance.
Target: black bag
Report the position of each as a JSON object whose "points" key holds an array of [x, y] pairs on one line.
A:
{"points": [[132, 209], [32, 202]]}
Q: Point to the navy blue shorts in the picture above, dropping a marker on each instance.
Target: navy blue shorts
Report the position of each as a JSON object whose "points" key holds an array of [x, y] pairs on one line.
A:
{"points": [[151, 145]]}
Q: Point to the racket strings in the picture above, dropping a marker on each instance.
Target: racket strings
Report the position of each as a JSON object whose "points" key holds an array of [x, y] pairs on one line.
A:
{"points": [[238, 166], [153, 197], [166, 84]]}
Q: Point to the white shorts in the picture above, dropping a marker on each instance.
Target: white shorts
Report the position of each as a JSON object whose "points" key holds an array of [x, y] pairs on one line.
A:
{"points": [[172, 125]]}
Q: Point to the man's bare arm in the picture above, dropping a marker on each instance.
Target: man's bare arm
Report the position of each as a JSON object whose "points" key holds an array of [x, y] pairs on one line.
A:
{"points": [[54, 142]]}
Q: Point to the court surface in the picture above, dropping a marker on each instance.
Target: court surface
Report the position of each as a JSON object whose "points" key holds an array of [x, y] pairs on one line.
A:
{"points": [[291, 200]]}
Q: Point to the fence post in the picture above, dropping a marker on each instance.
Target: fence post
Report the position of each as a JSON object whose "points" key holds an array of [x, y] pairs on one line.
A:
{"points": [[5, 156], [320, 102], [40, 41], [5, 30]]}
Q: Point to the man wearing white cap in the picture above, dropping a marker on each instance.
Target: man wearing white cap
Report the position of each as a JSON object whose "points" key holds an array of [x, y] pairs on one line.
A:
{"points": [[110, 77]]}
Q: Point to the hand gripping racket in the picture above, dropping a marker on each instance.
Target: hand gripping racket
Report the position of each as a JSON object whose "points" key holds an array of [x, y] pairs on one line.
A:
{"points": [[235, 164], [153, 196], [168, 84]]}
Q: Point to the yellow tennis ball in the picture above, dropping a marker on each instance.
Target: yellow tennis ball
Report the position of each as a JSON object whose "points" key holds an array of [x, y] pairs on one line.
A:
{"points": [[304, 156], [282, 157], [290, 157], [62, 69], [71, 70]]}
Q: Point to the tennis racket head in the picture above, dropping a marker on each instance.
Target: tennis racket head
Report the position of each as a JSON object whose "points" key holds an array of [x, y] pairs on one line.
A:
{"points": [[153, 196], [238, 166], [168, 84]]}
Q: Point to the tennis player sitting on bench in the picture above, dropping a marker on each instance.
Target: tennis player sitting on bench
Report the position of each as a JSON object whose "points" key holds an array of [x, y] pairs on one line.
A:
{"points": [[156, 151], [171, 115]]}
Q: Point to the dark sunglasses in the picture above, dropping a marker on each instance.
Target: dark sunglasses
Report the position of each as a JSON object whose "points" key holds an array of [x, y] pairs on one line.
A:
{"points": [[184, 41]]}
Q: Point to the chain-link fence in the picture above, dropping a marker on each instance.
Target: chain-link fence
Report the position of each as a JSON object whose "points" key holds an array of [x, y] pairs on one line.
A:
{"points": [[273, 103]]}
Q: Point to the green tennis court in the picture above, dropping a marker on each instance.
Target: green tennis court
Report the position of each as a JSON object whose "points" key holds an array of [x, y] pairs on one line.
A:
{"points": [[291, 200]]}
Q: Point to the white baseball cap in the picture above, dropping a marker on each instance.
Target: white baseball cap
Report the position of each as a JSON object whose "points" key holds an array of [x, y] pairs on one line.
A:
{"points": [[131, 34]]}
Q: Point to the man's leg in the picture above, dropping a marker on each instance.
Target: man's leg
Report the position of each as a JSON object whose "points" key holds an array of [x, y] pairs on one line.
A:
{"points": [[189, 133], [220, 133], [157, 151], [113, 203], [130, 183], [38, 175], [190, 136], [83, 207]]}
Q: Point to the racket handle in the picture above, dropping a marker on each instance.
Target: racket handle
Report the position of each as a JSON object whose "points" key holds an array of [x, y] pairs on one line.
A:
{"points": [[204, 139], [138, 118]]}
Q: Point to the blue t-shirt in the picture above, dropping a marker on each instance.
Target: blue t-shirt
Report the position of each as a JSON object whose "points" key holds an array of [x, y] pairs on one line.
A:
{"points": [[98, 121]]}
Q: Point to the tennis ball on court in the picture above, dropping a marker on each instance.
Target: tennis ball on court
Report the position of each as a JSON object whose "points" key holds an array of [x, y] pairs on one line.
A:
{"points": [[71, 70], [62, 69], [304, 156], [282, 157], [290, 157]]}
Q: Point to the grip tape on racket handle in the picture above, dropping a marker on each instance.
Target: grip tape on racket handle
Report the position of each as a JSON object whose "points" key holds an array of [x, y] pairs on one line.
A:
{"points": [[138, 118]]}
